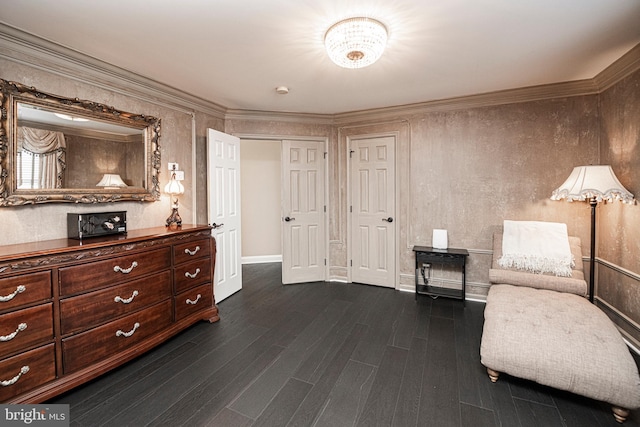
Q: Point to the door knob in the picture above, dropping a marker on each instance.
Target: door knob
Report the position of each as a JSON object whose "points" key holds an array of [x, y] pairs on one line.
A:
{"points": [[388, 219], [286, 218], [214, 225]]}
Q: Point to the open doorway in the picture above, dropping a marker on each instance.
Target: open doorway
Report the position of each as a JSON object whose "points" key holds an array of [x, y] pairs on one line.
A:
{"points": [[289, 175], [261, 200]]}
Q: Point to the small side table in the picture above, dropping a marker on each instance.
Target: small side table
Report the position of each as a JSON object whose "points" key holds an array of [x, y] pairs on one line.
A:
{"points": [[451, 256]]}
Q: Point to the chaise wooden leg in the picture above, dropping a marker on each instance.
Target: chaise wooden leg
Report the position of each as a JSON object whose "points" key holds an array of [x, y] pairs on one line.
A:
{"points": [[620, 414], [493, 375]]}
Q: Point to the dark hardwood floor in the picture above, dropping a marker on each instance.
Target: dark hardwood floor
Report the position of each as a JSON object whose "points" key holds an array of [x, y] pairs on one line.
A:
{"points": [[326, 354]]}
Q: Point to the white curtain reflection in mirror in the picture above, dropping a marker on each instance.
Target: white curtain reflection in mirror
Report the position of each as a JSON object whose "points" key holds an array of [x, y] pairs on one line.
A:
{"points": [[40, 158]]}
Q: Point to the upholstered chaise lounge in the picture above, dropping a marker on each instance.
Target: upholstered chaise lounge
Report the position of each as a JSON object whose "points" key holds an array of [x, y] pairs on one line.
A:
{"points": [[541, 328]]}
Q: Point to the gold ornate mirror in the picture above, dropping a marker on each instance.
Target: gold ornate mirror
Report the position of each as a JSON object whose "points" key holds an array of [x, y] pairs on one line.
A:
{"points": [[55, 149]]}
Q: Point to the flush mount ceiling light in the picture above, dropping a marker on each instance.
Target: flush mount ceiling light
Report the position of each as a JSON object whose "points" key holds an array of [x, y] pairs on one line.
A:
{"points": [[356, 42]]}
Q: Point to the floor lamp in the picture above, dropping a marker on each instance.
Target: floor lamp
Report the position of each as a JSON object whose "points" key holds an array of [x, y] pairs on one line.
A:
{"points": [[595, 184]]}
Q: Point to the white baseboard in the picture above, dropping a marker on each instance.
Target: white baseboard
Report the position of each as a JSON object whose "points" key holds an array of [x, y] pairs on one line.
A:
{"points": [[262, 259]]}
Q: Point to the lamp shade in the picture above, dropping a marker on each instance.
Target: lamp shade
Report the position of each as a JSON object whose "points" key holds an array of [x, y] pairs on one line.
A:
{"points": [[174, 187], [111, 180], [592, 182], [356, 42]]}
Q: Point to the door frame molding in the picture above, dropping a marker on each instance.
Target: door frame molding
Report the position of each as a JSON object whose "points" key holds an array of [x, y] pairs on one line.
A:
{"points": [[396, 141], [325, 141]]}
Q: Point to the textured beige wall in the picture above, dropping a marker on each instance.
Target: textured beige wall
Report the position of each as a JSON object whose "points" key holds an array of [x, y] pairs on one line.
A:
{"points": [[465, 170], [471, 169], [618, 230]]}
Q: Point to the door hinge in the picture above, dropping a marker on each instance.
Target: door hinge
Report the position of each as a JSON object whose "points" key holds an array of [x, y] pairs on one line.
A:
{"points": [[351, 263], [325, 208], [325, 261], [351, 153], [325, 154], [351, 209]]}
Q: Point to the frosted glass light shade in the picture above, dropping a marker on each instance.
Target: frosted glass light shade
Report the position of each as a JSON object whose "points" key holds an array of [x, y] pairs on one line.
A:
{"points": [[111, 180], [174, 187], [593, 181], [356, 42]]}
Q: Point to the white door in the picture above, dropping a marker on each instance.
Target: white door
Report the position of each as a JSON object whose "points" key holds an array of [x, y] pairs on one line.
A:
{"points": [[373, 225], [223, 190], [303, 212]]}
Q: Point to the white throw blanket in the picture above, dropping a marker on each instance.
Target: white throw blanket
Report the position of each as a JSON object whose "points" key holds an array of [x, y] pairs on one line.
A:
{"points": [[537, 247]]}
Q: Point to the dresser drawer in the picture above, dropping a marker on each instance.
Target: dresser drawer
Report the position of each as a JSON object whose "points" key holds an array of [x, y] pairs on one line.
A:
{"points": [[25, 328], [192, 274], [191, 250], [86, 348], [24, 289], [27, 371], [112, 271], [194, 300], [87, 310]]}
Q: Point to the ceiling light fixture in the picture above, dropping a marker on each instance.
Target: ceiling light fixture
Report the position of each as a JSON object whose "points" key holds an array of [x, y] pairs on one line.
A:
{"points": [[356, 42]]}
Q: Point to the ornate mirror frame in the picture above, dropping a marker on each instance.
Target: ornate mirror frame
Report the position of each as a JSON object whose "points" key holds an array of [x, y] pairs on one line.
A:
{"points": [[12, 93]]}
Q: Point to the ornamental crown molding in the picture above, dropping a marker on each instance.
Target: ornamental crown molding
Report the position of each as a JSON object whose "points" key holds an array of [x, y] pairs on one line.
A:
{"points": [[25, 48], [22, 47], [622, 68]]}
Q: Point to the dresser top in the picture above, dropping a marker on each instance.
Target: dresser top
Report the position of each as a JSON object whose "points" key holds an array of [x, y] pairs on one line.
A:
{"points": [[67, 245]]}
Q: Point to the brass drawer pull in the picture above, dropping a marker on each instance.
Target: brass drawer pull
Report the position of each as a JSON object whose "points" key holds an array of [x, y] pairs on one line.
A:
{"points": [[20, 289], [192, 276], [21, 327], [119, 269], [15, 379], [193, 252], [119, 333], [118, 298], [194, 302]]}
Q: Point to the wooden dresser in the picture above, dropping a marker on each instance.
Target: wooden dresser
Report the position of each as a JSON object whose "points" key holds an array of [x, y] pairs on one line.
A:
{"points": [[71, 310]]}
